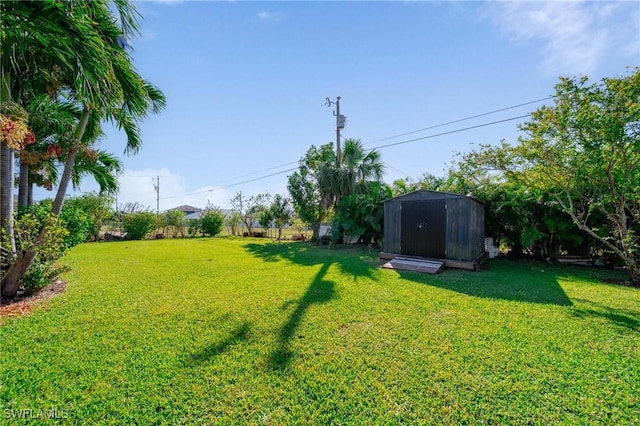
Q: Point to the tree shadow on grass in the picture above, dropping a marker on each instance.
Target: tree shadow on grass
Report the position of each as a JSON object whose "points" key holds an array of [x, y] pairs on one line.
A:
{"points": [[624, 318], [319, 291], [356, 261], [237, 335], [505, 280]]}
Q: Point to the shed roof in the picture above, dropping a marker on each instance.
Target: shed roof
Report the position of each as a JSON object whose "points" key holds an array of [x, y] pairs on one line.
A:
{"points": [[431, 195]]}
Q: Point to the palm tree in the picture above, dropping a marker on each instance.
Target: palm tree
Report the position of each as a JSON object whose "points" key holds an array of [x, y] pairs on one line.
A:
{"points": [[103, 166], [358, 168], [93, 70], [52, 121]]}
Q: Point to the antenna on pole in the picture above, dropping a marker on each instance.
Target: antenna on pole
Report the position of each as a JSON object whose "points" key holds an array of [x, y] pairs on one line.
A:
{"points": [[340, 122]]}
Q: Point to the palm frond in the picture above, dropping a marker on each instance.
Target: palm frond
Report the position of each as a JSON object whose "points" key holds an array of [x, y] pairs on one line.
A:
{"points": [[104, 168]]}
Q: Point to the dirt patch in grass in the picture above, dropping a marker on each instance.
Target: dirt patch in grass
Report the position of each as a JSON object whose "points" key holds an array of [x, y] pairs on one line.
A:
{"points": [[22, 305]]}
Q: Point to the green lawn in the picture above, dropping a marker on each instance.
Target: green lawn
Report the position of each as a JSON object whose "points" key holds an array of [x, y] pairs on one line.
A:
{"points": [[236, 331]]}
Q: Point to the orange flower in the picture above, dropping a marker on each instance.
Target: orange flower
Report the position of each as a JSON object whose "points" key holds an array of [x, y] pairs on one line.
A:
{"points": [[15, 133]]}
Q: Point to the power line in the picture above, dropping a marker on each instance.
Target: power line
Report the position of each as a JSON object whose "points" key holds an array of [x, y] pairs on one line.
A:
{"points": [[237, 177], [462, 119], [398, 170], [261, 171], [379, 147], [231, 184], [452, 131]]}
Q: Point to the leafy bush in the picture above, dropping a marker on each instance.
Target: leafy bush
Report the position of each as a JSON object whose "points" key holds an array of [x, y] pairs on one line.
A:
{"points": [[28, 228], [78, 223], [212, 221], [361, 215], [195, 227], [96, 207], [138, 225], [176, 221], [41, 274], [72, 218]]}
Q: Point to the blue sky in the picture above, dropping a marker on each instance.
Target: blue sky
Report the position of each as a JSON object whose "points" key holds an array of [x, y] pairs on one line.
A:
{"points": [[246, 83]]}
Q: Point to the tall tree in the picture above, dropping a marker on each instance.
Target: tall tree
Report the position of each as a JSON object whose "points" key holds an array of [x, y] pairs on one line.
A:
{"points": [[249, 208], [78, 42], [281, 213], [358, 168], [311, 187], [319, 184], [52, 121], [583, 153]]}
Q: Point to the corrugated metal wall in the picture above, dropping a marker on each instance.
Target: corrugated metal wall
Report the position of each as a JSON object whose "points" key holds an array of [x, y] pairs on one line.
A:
{"points": [[392, 226], [464, 224], [465, 229]]}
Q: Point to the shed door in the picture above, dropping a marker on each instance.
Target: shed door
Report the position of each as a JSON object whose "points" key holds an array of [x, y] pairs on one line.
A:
{"points": [[423, 228]]}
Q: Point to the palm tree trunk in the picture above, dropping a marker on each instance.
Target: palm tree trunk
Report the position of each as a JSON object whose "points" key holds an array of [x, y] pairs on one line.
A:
{"points": [[70, 161], [6, 170], [6, 193], [30, 193], [23, 186], [11, 281]]}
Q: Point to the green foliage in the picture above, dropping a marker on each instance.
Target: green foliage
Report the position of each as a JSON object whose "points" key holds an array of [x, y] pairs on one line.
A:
{"points": [[195, 227], [362, 215], [79, 224], [582, 156], [175, 220], [138, 225], [280, 213], [41, 274], [233, 221], [306, 200], [249, 208], [321, 181], [29, 227], [212, 221], [72, 218], [70, 52], [299, 225], [310, 195], [225, 331], [97, 207], [428, 181], [266, 219]]}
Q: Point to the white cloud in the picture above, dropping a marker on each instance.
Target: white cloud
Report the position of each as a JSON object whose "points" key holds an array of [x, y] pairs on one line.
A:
{"points": [[270, 16], [138, 186], [577, 36]]}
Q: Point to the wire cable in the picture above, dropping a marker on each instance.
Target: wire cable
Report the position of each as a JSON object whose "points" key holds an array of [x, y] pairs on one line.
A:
{"points": [[462, 119], [378, 147], [452, 131], [230, 185]]}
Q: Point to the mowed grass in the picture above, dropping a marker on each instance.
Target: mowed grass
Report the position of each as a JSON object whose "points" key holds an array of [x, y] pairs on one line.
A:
{"points": [[241, 331]]}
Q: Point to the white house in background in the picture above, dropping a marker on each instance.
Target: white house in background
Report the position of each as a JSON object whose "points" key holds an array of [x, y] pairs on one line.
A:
{"points": [[188, 210], [195, 212]]}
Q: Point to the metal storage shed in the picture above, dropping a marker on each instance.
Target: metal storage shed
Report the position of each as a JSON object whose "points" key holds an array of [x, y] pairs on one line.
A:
{"points": [[435, 225]]}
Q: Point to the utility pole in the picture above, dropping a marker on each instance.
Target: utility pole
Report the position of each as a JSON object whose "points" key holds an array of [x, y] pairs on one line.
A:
{"points": [[340, 121], [156, 186]]}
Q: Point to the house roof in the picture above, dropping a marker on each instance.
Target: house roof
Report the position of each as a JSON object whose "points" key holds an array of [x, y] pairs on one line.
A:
{"points": [[186, 208], [194, 215]]}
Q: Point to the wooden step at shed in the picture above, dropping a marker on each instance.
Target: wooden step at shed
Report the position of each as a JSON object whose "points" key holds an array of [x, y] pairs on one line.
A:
{"points": [[416, 265]]}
